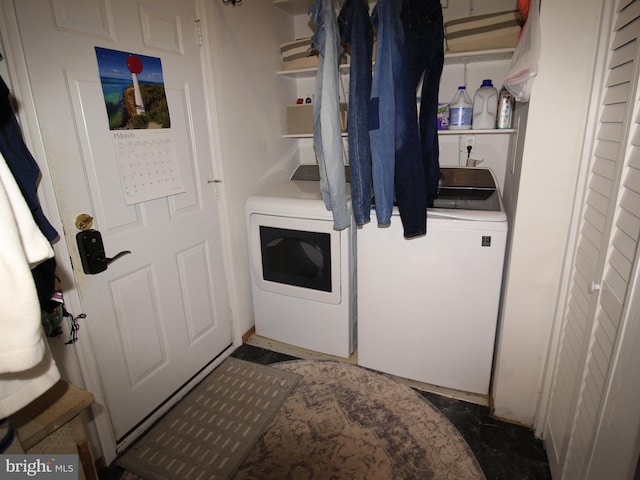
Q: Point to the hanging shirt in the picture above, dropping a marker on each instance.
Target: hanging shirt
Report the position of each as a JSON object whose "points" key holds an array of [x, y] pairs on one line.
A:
{"points": [[327, 130]]}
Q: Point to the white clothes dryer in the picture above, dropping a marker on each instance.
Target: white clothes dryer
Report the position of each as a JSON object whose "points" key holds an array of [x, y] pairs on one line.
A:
{"points": [[302, 270]]}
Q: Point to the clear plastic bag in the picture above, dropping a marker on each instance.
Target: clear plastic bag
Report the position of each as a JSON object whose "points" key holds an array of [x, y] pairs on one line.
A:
{"points": [[524, 63]]}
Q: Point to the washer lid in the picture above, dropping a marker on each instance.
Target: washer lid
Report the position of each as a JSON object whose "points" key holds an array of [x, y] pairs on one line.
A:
{"points": [[467, 189], [467, 177]]}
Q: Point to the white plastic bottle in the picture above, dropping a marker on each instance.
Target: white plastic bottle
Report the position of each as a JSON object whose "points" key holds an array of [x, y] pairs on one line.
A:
{"points": [[485, 106], [460, 110]]}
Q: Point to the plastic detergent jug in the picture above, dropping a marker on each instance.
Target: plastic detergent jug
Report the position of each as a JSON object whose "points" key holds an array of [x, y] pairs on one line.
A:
{"points": [[460, 110], [485, 106]]}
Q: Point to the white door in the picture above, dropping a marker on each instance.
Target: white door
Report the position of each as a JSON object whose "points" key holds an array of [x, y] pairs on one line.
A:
{"points": [[585, 432], [156, 317]]}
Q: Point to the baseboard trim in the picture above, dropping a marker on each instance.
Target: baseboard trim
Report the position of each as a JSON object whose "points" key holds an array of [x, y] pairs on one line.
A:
{"points": [[248, 333]]}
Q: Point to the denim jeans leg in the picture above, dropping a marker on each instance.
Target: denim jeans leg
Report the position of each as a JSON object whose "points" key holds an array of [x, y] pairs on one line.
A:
{"points": [[382, 118], [418, 166], [327, 130], [428, 117], [357, 32], [424, 30], [410, 184]]}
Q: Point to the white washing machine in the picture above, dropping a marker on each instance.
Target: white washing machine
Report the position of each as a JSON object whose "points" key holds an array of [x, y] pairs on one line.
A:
{"points": [[303, 271], [428, 306]]}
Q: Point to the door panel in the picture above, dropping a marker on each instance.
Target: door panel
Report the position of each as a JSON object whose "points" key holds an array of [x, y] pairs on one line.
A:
{"points": [[135, 294], [156, 317]]}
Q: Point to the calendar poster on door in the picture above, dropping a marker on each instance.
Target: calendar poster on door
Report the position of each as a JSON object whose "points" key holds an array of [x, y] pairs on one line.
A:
{"points": [[139, 124]]}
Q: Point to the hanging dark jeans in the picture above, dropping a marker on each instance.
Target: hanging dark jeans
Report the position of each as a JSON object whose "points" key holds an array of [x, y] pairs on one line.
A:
{"points": [[357, 32], [417, 169], [21, 163]]}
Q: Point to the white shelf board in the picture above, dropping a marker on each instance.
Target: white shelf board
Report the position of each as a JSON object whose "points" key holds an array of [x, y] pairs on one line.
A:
{"points": [[457, 58], [309, 71], [478, 56], [306, 135], [494, 131], [294, 7], [298, 135]]}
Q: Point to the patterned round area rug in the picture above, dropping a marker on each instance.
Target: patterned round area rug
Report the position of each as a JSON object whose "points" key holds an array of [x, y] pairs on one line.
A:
{"points": [[342, 421]]}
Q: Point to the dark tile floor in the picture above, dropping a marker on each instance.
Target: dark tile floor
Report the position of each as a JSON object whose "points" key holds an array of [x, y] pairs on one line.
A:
{"points": [[504, 451]]}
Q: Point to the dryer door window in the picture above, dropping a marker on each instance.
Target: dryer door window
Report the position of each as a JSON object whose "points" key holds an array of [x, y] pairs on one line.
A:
{"points": [[296, 257]]}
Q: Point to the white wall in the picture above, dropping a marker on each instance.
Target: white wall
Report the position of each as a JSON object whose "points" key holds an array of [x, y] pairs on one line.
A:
{"points": [[250, 96], [547, 183], [250, 100]]}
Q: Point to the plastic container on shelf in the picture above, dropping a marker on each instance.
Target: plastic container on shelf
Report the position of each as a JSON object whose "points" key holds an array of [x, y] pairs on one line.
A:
{"points": [[460, 110], [443, 116], [505, 109], [485, 106]]}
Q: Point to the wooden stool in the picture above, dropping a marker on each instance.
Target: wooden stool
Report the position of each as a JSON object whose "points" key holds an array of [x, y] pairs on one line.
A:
{"points": [[52, 424]]}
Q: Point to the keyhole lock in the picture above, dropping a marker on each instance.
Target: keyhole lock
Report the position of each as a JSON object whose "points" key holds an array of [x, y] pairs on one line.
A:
{"points": [[84, 222]]}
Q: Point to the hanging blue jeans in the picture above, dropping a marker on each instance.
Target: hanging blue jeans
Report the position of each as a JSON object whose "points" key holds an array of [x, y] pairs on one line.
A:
{"points": [[382, 113], [424, 46], [410, 44], [327, 131], [357, 32]]}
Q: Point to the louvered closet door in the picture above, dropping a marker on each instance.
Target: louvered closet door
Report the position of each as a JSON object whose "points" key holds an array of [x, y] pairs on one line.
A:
{"points": [[605, 261]]}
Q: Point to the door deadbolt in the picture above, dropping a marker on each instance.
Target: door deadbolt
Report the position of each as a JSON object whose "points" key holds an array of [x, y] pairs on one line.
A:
{"points": [[83, 221], [92, 253]]}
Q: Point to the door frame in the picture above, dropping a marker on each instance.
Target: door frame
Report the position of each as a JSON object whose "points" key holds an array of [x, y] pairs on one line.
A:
{"points": [[18, 79]]}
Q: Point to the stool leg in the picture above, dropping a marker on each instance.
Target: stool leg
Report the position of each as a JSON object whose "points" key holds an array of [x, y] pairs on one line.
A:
{"points": [[84, 449]]}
